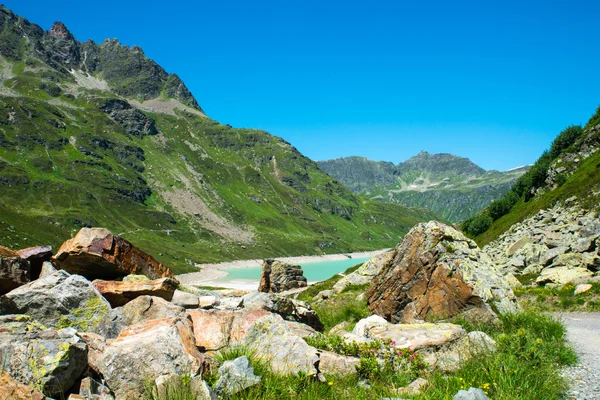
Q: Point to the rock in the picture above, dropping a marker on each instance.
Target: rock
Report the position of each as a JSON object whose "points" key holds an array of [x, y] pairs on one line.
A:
{"points": [[301, 330], [365, 273], [51, 361], [451, 357], [134, 277], [143, 308], [471, 394], [96, 345], [549, 256], [414, 336], [415, 387], [513, 282], [14, 271], [168, 386], [47, 269], [208, 301], [582, 288], [147, 350], [584, 244], [289, 309], [36, 256], [133, 121], [97, 254], [185, 300], [11, 389], [58, 300], [287, 354], [214, 329], [562, 275], [517, 245], [120, 293], [236, 375], [437, 272], [335, 364], [278, 276]]}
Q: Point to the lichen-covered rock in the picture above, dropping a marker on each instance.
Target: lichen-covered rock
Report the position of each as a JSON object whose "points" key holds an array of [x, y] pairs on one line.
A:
{"points": [[143, 308], [11, 389], [119, 293], [335, 364], [51, 361], [236, 375], [414, 336], [562, 275], [14, 271], [437, 272], [97, 254], [365, 273], [287, 354], [289, 309], [185, 300], [278, 276], [59, 300], [147, 350]]}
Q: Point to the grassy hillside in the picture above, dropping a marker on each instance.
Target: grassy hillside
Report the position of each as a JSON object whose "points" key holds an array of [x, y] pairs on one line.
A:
{"points": [[570, 168], [91, 145]]}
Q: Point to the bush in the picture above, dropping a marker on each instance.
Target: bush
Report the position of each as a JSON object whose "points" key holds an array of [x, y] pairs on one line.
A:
{"points": [[478, 224], [565, 139]]}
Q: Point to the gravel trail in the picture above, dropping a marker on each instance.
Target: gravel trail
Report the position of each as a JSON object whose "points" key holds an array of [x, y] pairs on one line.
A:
{"points": [[583, 331]]}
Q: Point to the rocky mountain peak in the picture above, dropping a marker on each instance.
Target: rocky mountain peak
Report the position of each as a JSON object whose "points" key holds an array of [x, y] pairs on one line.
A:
{"points": [[60, 31]]}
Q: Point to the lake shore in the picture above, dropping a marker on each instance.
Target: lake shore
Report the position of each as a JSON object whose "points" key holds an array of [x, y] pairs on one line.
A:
{"points": [[210, 272]]}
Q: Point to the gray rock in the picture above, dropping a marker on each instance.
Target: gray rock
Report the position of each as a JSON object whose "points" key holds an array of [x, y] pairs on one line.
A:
{"points": [[365, 273], [289, 309], [548, 257], [58, 300], [335, 364], [94, 390], [185, 300], [471, 394], [47, 269], [236, 375], [49, 360], [14, 271], [277, 276]]}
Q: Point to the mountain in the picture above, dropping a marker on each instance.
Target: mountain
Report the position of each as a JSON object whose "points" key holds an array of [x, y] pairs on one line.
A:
{"points": [[100, 135], [451, 186], [566, 179]]}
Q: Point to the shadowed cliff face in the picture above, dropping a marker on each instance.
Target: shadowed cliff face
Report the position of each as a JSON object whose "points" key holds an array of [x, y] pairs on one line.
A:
{"points": [[451, 186], [100, 135]]}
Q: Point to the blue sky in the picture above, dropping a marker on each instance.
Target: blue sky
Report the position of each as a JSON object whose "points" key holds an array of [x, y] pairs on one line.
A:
{"points": [[492, 81]]}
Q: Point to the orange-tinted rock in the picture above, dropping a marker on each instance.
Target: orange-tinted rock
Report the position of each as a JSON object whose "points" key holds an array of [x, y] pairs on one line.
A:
{"points": [[11, 389], [437, 272], [97, 254], [14, 271], [119, 293]]}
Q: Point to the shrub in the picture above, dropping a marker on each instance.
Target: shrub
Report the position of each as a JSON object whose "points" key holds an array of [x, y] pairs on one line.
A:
{"points": [[479, 224]]}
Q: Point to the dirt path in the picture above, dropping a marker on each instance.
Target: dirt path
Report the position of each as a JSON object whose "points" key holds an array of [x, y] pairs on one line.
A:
{"points": [[583, 330]]}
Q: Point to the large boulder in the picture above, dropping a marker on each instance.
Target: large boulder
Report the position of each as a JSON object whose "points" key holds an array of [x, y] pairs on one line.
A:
{"points": [[97, 254], [49, 360], [58, 300], [437, 272], [143, 308], [278, 276], [365, 273], [119, 293], [145, 351], [14, 271], [236, 375], [12, 389], [36, 256], [289, 309]]}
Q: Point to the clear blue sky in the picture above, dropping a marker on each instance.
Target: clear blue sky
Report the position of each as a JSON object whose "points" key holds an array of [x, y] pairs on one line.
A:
{"points": [[492, 81]]}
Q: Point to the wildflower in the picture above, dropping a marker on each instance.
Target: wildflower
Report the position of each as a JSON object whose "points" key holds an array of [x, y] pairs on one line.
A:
{"points": [[521, 332], [330, 383], [539, 341]]}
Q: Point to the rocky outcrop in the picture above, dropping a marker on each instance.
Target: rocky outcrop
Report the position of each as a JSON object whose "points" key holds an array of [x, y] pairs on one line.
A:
{"points": [[131, 120], [278, 276], [146, 351], [558, 245], [97, 254], [14, 271], [51, 361], [119, 293], [58, 300], [437, 272]]}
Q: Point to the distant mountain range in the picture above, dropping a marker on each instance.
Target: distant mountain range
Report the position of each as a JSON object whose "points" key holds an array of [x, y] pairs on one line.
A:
{"points": [[97, 134], [451, 186]]}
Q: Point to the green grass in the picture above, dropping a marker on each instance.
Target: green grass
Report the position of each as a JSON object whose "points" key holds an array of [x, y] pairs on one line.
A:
{"points": [[316, 288], [345, 307], [560, 299]]}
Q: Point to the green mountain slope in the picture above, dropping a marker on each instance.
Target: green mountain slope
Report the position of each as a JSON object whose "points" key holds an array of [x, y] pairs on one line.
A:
{"points": [[451, 186], [570, 168], [99, 135]]}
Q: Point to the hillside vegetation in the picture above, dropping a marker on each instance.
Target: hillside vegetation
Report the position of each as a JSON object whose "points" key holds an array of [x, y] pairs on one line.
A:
{"points": [[100, 135], [569, 168], [451, 186]]}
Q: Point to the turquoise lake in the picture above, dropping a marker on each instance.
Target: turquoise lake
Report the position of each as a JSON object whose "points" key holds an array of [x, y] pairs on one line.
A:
{"points": [[314, 271]]}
